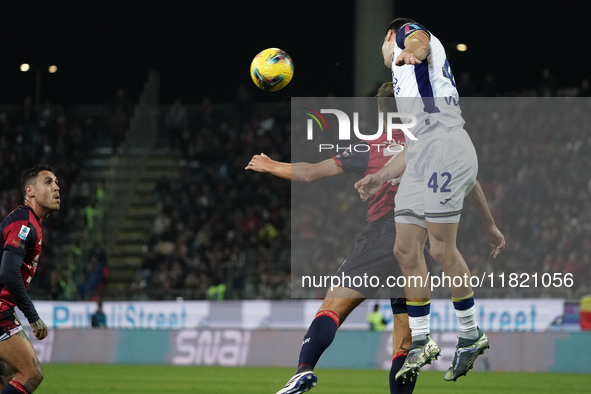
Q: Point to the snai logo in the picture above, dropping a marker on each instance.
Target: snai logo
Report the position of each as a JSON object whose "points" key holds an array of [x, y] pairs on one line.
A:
{"points": [[211, 347]]}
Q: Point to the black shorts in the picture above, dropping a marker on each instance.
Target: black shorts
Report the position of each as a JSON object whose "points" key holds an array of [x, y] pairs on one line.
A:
{"points": [[373, 255], [9, 324]]}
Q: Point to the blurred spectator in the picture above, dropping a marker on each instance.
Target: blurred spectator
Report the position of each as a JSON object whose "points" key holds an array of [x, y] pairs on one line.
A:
{"points": [[91, 212], [93, 279], [376, 319], [99, 319], [216, 292]]}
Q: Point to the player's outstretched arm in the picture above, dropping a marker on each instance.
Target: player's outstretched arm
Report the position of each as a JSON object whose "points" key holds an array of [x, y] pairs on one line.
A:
{"points": [[416, 50], [10, 273], [370, 185], [301, 172], [492, 234]]}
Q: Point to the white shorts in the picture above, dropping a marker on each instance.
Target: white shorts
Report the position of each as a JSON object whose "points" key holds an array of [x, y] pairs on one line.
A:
{"points": [[441, 170]]}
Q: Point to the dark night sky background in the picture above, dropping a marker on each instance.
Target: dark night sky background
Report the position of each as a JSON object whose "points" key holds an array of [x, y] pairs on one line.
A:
{"points": [[204, 48]]}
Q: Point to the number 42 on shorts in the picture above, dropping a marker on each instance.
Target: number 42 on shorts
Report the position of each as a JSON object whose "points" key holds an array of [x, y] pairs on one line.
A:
{"points": [[432, 184]]}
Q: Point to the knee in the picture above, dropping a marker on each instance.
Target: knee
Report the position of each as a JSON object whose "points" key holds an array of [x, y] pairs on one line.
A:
{"points": [[405, 255], [400, 252], [442, 253], [39, 376], [35, 377]]}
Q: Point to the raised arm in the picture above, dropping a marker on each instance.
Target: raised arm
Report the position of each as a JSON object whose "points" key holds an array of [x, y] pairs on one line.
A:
{"points": [[301, 172], [370, 185], [416, 49], [492, 234]]}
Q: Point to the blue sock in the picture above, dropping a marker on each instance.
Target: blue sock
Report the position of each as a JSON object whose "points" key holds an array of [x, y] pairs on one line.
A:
{"points": [[11, 388], [318, 338], [398, 388]]}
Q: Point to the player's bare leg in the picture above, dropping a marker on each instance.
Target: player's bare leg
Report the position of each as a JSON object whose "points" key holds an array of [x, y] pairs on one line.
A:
{"points": [[442, 239], [337, 305], [408, 249], [19, 355], [471, 340], [342, 301], [401, 338]]}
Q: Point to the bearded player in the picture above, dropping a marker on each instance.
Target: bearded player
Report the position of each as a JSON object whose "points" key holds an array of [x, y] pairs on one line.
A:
{"points": [[21, 236]]}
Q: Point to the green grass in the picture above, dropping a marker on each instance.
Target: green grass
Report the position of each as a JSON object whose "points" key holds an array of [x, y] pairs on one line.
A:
{"points": [[94, 379]]}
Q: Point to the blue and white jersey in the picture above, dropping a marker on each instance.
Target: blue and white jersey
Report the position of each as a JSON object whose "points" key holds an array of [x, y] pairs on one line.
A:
{"points": [[426, 90]]}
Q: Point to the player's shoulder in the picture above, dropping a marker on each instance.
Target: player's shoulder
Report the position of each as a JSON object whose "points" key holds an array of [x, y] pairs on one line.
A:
{"points": [[409, 30], [20, 213], [413, 27], [19, 216]]}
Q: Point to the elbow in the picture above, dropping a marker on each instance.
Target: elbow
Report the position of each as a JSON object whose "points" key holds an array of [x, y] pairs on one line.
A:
{"points": [[7, 274], [308, 178]]}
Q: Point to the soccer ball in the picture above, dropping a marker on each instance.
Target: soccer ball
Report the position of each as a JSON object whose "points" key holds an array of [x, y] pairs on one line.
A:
{"points": [[271, 70]]}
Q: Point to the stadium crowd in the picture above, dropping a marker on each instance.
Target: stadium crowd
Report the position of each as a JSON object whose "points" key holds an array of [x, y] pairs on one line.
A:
{"points": [[221, 233], [222, 226], [30, 135], [225, 233]]}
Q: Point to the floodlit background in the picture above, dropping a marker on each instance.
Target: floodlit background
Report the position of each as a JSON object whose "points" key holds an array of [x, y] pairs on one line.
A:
{"points": [[147, 113]]}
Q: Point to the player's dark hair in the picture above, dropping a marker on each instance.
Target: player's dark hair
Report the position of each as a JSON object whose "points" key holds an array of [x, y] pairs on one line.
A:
{"points": [[386, 100], [398, 23], [28, 176]]}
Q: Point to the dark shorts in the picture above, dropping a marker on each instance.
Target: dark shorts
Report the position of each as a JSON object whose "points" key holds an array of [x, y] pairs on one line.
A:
{"points": [[373, 255], [9, 324]]}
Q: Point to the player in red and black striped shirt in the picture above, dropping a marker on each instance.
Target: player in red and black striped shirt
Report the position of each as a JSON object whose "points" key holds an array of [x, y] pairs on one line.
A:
{"points": [[372, 254], [22, 237]]}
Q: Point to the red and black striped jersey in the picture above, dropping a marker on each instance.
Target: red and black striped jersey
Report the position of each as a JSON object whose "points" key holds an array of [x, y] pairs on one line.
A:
{"points": [[21, 233], [368, 157]]}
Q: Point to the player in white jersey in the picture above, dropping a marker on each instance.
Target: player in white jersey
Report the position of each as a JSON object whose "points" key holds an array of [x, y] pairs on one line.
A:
{"points": [[441, 167]]}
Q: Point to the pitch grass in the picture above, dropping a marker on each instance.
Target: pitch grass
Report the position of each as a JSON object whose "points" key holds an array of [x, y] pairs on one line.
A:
{"points": [[124, 379]]}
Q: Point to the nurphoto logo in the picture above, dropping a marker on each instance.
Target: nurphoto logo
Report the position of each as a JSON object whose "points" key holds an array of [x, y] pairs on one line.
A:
{"points": [[345, 124]]}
